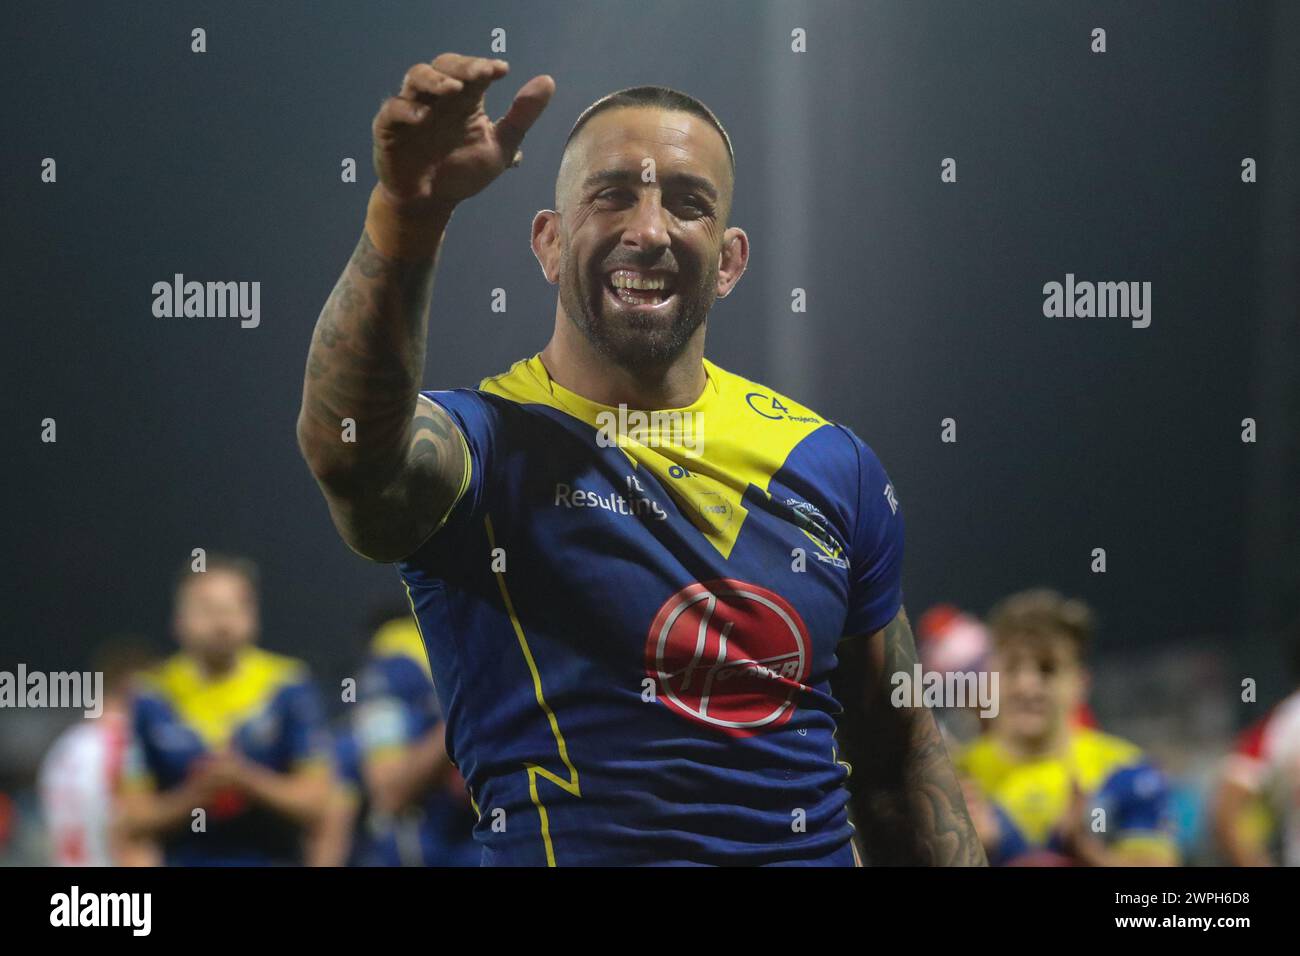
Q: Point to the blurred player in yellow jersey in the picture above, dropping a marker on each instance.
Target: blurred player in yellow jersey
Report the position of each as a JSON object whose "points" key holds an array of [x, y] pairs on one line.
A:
{"points": [[1043, 790], [228, 758]]}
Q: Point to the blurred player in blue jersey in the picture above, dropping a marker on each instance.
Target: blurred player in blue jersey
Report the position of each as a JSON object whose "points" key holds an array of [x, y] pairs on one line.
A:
{"points": [[1044, 789], [421, 815], [225, 728], [632, 568], [397, 800], [342, 836]]}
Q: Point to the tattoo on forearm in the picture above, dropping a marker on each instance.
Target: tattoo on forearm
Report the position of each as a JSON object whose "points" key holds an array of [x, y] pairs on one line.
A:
{"points": [[918, 813], [390, 484], [366, 359]]}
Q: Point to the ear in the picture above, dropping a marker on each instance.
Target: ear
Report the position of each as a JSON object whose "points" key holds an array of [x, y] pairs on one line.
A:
{"points": [[732, 260], [546, 243]]}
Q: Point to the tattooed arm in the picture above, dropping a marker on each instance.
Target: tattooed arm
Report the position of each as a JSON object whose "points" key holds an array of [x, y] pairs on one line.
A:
{"points": [[389, 461], [910, 805], [390, 485]]}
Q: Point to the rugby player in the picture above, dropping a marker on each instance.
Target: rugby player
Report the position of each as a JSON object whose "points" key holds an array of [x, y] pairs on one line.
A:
{"points": [[227, 728], [420, 813], [81, 774], [1044, 788], [631, 567]]}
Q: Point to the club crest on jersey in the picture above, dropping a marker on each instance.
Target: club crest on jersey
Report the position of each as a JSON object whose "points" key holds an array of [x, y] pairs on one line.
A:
{"points": [[729, 655], [814, 524]]}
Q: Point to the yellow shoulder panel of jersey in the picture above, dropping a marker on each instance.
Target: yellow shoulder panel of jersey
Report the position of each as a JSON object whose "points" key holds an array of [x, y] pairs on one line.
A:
{"points": [[1092, 757], [707, 454], [1095, 756], [983, 762], [215, 707], [400, 637]]}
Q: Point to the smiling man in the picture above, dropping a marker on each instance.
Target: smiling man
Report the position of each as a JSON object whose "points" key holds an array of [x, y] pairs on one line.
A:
{"points": [[632, 638], [1046, 789]]}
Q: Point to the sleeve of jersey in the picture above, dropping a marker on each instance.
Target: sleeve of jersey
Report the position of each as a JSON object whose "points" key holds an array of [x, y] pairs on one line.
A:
{"points": [[347, 772], [387, 718], [1142, 809], [473, 418], [137, 774], [1011, 842], [307, 733], [876, 549]]}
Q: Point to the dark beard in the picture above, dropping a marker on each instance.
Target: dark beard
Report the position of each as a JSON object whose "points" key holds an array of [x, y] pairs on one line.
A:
{"points": [[637, 344]]}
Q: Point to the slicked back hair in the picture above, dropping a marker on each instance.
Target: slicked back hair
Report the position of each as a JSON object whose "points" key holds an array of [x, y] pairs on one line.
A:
{"points": [[657, 97]]}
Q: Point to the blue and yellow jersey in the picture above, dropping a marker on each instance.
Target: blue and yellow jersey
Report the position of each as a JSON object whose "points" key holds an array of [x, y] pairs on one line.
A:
{"points": [[1032, 796], [632, 619], [397, 707], [267, 709]]}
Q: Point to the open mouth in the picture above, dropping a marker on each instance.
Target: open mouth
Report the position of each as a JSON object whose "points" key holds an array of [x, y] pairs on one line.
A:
{"points": [[643, 290]]}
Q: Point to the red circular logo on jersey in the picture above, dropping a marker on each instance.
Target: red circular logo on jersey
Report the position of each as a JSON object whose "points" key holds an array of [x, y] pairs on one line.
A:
{"points": [[729, 655]]}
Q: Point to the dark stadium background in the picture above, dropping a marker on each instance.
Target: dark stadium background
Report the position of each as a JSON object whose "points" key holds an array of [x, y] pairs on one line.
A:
{"points": [[924, 298]]}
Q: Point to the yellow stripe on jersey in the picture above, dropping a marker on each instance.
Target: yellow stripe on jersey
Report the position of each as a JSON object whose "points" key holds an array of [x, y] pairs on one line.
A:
{"points": [[215, 708], [569, 786], [707, 454]]}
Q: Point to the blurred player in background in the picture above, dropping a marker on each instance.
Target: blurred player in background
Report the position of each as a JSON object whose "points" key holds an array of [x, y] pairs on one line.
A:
{"points": [[420, 808], [1038, 779], [1258, 795], [80, 775], [228, 728], [342, 836], [949, 640]]}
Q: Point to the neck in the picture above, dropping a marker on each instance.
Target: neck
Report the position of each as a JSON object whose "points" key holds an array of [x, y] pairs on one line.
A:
{"points": [[215, 667], [574, 363]]}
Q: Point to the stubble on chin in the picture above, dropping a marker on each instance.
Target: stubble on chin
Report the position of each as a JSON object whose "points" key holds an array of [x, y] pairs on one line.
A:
{"points": [[635, 343]]}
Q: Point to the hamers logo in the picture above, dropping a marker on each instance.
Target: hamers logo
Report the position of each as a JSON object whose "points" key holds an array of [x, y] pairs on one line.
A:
{"points": [[729, 655]]}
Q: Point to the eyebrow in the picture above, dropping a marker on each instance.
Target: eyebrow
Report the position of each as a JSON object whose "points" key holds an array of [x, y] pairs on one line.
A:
{"points": [[612, 177]]}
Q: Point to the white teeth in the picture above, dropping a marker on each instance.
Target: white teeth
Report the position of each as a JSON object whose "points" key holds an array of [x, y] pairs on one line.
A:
{"points": [[624, 280]]}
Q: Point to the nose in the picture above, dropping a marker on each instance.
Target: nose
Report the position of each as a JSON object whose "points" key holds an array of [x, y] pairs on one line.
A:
{"points": [[1026, 680], [646, 228]]}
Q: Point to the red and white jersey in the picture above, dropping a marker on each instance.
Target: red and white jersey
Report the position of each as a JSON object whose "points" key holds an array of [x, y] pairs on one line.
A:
{"points": [[77, 782], [1266, 761]]}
